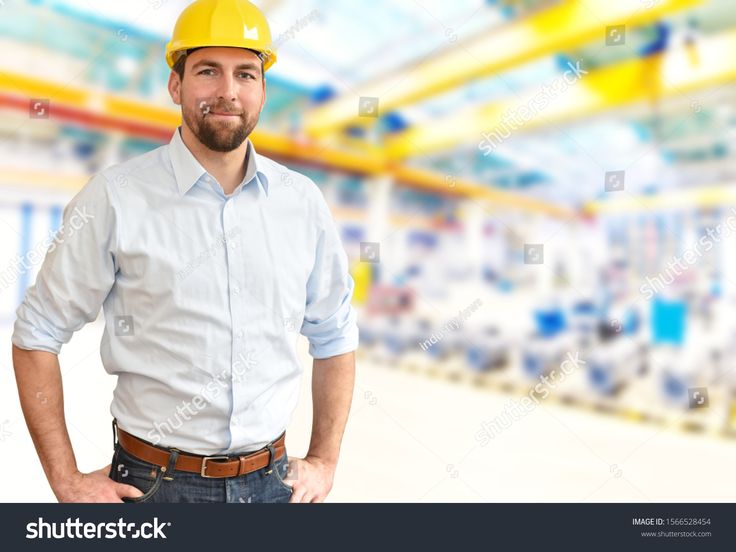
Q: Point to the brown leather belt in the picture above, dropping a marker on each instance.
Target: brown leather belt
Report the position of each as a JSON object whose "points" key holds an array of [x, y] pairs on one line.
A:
{"points": [[206, 466]]}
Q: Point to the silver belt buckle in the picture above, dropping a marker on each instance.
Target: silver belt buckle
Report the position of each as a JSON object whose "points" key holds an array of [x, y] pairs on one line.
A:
{"points": [[204, 465]]}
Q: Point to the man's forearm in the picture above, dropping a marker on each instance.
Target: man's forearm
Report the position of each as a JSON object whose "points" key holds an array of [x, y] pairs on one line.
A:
{"points": [[38, 376], [333, 381]]}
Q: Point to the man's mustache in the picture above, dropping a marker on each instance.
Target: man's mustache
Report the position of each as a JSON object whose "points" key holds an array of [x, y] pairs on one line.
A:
{"points": [[207, 108]]}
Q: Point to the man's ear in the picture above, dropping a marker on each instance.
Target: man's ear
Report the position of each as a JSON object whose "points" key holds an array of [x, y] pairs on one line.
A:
{"points": [[175, 87]]}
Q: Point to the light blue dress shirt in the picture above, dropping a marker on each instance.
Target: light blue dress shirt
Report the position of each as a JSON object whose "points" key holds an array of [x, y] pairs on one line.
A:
{"points": [[204, 295]]}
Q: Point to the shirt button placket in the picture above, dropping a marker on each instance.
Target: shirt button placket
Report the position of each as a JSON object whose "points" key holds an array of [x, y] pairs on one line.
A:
{"points": [[235, 282]]}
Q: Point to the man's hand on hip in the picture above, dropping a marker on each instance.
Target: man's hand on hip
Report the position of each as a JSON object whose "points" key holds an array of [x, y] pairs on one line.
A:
{"points": [[95, 486], [313, 480]]}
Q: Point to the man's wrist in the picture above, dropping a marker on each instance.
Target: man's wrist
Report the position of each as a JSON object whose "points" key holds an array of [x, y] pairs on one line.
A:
{"points": [[329, 461], [62, 482]]}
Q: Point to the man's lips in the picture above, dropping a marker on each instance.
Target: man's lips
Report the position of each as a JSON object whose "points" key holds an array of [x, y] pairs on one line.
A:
{"points": [[223, 114]]}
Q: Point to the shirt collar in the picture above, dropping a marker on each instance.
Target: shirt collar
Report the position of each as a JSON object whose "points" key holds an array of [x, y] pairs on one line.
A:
{"points": [[187, 170]]}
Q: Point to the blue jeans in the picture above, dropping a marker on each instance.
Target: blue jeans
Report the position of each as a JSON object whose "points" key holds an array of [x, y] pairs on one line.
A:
{"points": [[179, 486]]}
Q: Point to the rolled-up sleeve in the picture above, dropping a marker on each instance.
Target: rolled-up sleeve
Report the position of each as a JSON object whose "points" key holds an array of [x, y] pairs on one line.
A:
{"points": [[77, 273], [330, 321]]}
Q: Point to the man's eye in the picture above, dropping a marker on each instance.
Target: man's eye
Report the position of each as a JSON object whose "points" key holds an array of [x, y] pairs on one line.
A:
{"points": [[203, 71], [247, 75]]}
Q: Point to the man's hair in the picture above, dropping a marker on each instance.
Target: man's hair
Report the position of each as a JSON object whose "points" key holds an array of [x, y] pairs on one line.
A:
{"points": [[178, 67], [181, 61]]}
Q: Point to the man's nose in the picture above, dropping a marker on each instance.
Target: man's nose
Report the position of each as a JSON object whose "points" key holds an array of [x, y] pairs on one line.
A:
{"points": [[226, 87]]}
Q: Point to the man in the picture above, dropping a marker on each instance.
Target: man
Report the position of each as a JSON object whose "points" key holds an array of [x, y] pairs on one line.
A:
{"points": [[208, 259]]}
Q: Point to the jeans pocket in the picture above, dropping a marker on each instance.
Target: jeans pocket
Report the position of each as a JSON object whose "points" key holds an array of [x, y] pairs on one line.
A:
{"points": [[144, 476], [281, 469]]}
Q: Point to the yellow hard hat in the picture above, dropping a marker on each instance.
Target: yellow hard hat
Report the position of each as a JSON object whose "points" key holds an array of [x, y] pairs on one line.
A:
{"points": [[234, 23]]}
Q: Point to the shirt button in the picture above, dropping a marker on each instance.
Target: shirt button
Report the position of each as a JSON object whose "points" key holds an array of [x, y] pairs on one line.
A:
{"points": [[236, 290], [240, 334]]}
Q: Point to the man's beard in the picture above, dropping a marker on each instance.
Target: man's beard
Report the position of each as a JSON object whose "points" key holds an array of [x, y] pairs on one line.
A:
{"points": [[223, 137]]}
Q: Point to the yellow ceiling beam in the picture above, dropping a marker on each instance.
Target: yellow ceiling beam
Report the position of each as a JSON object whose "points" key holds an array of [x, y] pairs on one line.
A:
{"points": [[450, 185], [678, 71], [364, 161], [562, 27], [13, 176], [96, 102]]}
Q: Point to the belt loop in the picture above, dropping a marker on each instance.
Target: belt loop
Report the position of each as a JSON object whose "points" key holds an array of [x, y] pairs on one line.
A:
{"points": [[114, 433], [271, 454], [169, 469]]}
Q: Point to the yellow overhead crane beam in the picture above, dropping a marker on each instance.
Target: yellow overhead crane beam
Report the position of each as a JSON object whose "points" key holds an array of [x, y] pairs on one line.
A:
{"points": [[680, 70], [565, 26], [499, 199], [88, 107], [101, 110], [13, 176]]}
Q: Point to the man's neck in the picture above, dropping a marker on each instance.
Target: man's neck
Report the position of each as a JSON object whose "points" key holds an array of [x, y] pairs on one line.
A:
{"points": [[227, 167]]}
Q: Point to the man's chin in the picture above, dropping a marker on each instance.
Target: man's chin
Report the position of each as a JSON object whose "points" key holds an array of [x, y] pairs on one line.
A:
{"points": [[220, 125], [222, 142], [222, 148]]}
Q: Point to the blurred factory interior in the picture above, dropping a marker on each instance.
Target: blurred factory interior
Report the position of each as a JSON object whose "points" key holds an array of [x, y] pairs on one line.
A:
{"points": [[537, 199]]}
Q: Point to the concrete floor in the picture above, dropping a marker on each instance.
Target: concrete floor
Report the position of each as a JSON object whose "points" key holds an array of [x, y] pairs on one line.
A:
{"points": [[412, 439]]}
